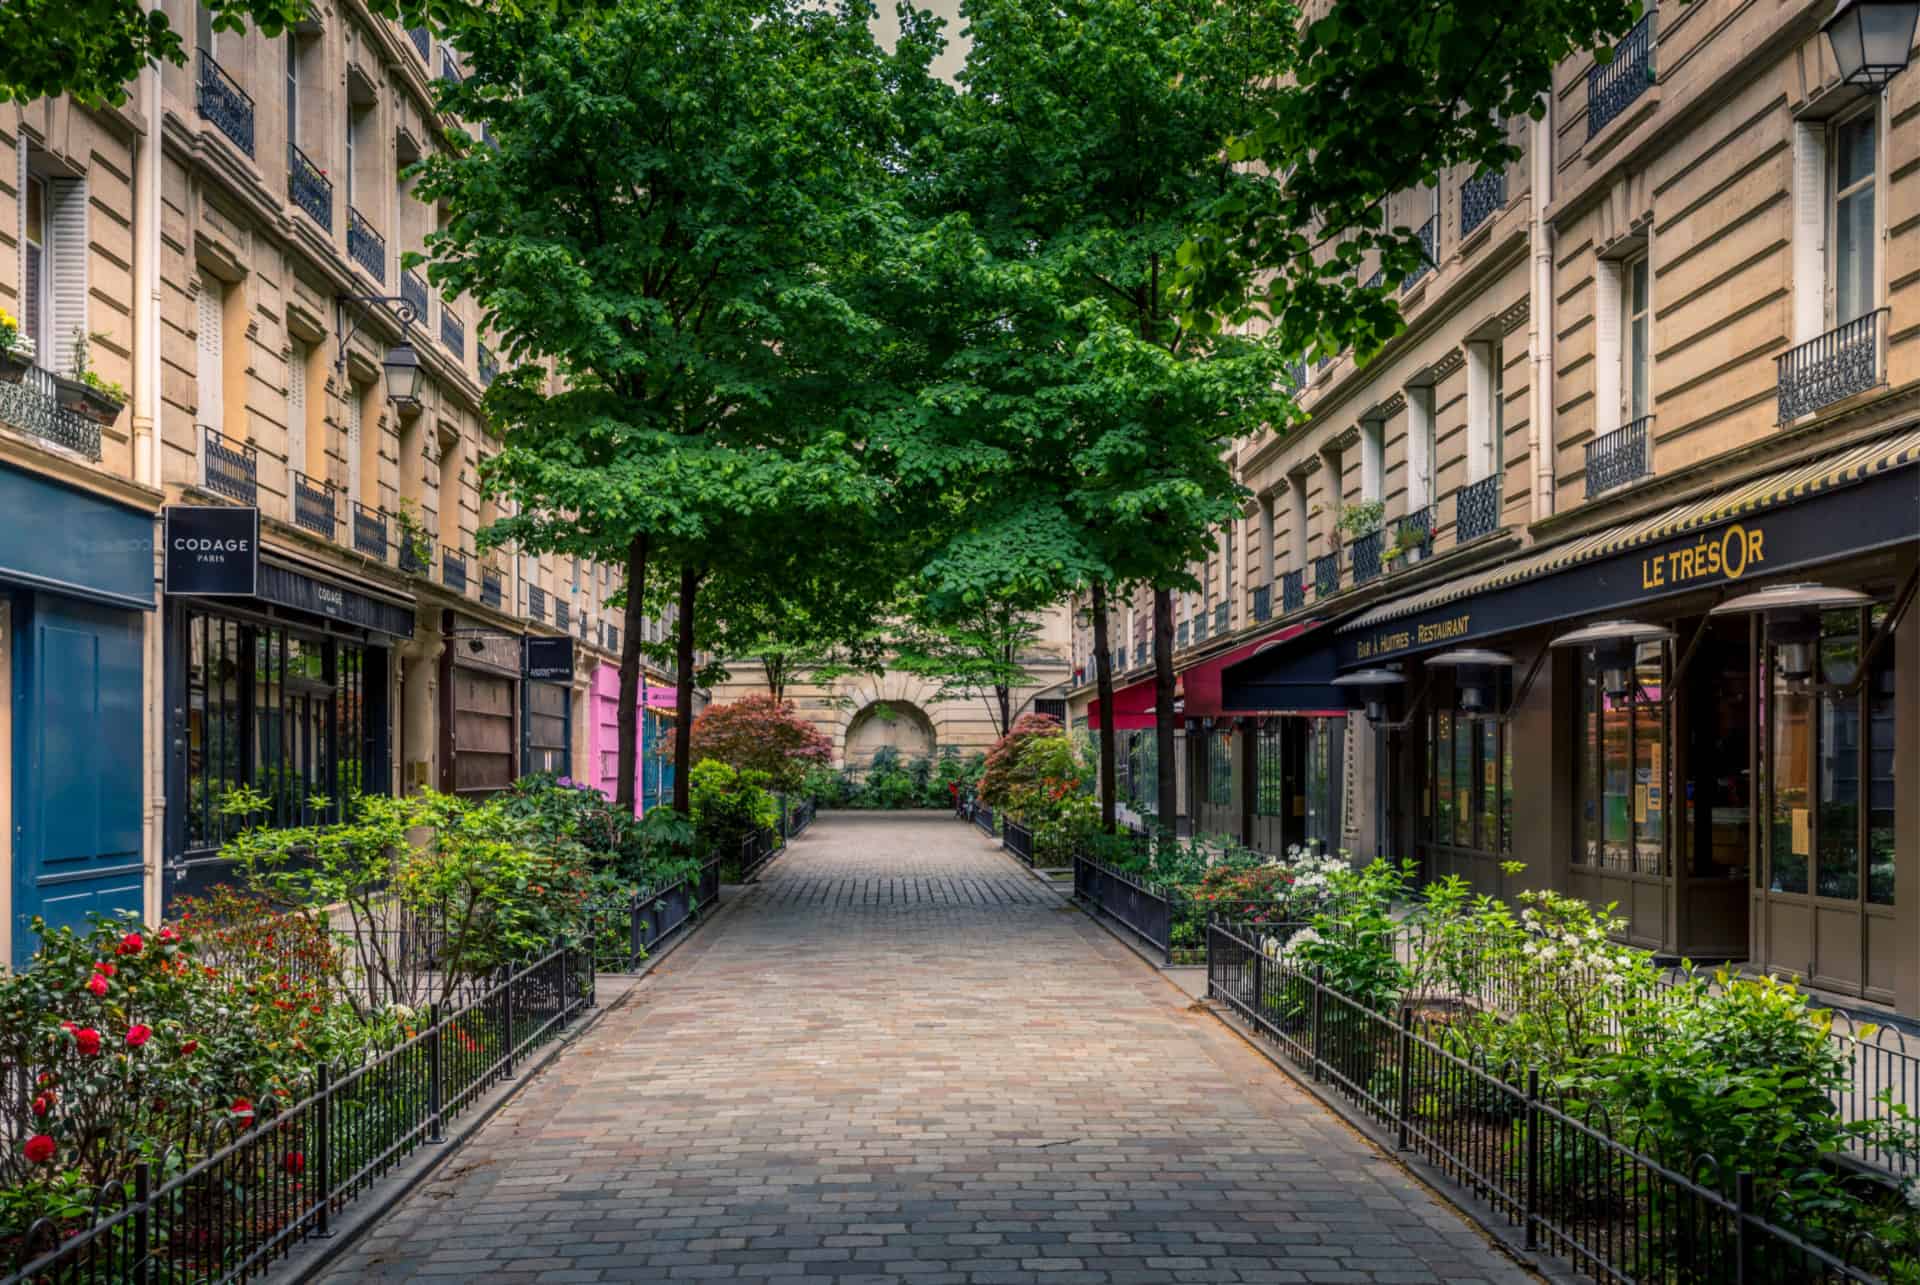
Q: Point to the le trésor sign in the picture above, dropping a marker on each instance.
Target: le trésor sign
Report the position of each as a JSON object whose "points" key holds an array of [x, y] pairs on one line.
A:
{"points": [[212, 551]]}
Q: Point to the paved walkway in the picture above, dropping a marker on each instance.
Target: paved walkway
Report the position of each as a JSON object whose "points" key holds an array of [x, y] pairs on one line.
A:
{"points": [[901, 1059]]}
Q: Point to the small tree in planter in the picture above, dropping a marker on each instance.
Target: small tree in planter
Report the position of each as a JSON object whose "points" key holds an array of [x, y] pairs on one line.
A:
{"points": [[87, 394]]}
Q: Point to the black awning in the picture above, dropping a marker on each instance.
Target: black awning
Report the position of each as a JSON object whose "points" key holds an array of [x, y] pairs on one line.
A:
{"points": [[1290, 677], [302, 592]]}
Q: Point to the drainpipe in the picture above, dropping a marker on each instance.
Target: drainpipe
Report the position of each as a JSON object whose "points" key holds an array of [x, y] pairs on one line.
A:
{"points": [[1540, 310], [146, 457]]}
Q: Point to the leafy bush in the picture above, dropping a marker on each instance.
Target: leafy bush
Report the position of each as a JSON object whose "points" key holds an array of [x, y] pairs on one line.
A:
{"points": [[760, 734], [1009, 767], [826, 787], [729, 804]]}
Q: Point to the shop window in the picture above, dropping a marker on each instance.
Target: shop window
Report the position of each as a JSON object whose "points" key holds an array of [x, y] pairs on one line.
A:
{"points": [[1637, 351], [1621, 743], [1326, 749], [1270, 791], [1219, 768], [1467, 799]]}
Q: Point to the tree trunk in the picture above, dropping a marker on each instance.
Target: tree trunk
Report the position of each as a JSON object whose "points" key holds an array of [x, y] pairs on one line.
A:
{"points": [[633, 621], [683, 692], [1004, 695], [775, 668], [1163, 715], [1103, 685]]}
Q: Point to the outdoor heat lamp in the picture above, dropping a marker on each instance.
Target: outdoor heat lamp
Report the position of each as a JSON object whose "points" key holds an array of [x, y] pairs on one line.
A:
{"points": [[1373, 687], [1476, 672], [1615, 645], [1792, 613], [1871, 39]]}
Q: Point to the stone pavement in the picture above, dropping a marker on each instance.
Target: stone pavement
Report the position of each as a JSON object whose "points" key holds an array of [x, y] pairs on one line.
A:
{"points": [[902, 1059]]}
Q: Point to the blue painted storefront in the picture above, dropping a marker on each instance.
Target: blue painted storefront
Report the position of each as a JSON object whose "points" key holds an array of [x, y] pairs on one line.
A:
{"points": [[77, 574]]}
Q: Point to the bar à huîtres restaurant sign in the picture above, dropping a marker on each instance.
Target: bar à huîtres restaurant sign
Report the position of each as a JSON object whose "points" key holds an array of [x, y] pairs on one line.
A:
{"points": [[1846, 521]]}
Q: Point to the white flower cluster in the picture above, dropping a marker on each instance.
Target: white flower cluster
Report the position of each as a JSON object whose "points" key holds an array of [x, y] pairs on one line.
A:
{"points": [[1290, 950]]}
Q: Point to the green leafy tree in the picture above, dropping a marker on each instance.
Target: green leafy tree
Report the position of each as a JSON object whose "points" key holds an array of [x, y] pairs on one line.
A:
{"points": [[972, 651]]}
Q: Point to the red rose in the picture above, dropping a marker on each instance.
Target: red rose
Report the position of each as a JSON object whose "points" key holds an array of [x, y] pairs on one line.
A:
{"points": [[88, 1039], [187, 1048], [168, 936], [243, 1108], [97, 984], [39, 1149], [131, 944], [107, 970], [43, 1104], [138, 1034], [294, 1163]]}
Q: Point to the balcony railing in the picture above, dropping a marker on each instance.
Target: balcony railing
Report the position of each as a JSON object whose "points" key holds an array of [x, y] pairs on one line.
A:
{"points": [[1293, 591], [416, 555], [1140, 653], [1844, 361], [1299, 373], [1429, 233], [453, 569], [1412, 536], [1326, 575], [449, 70], [1366, 555], [421, 41], [1613, 85], [490, 587], [1476, 509], [484, 362], [223, 102], [309, 188], [233, 468], [562, 613], [314, 505], [1222, 617], [1377, 280], [1620, 457], [1262, 603], [1182, 633], [1481, 198], [452, 333], [365, 246], [369, 531], [536, 602], [33, 407], [413, 292]]}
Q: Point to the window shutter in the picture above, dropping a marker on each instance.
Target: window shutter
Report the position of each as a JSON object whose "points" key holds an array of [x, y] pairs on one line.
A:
{"points": [[1809, 229], [353, 440], [297, 408], [209, 368], [67, 237], [1607, 302]]}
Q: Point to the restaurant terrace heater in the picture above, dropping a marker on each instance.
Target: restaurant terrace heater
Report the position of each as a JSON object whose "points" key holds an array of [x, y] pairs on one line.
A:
{"points": [[1477, 676], [1615, 645], [1792, 613], [1375, 688]]}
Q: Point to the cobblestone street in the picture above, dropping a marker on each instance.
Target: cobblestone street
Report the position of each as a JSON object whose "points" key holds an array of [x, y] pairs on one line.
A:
{"points": [[901, 1058]]}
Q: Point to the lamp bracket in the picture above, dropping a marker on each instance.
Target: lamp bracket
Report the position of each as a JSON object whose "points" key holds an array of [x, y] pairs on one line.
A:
{"points": [[403, 313], [1526, 684], [1413, 710], [1901, 602]]}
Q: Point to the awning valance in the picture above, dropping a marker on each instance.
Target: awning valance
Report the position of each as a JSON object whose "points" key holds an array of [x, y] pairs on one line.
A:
{"points": [[1288, 673], [1132, 708], [1862, 499]]}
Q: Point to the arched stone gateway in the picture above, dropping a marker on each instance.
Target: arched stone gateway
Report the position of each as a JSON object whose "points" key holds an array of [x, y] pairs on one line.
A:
{"points": [[900, 724]]}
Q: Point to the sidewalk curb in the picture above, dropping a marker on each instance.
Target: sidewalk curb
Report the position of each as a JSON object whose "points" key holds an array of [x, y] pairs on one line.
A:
{"points": [[314, 1255]]}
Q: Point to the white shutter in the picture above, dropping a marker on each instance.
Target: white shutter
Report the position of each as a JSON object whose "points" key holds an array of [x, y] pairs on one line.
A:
{"points": [[1419, 448], [353, 441], [1606, 347], [67, 237], [29, 270], [296, 408], [209, 368], [1809, 229]]}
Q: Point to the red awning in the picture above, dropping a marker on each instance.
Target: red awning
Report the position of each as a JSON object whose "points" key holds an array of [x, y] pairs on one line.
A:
{"points": [[1198, 686], [1132, 708]]}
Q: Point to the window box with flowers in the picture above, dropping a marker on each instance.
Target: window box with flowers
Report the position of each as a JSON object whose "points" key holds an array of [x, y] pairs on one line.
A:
{"points": [[86, 394], [16, 349]]}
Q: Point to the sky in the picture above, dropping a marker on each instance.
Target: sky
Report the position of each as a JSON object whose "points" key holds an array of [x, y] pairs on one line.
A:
{"points": [[948, 64]]}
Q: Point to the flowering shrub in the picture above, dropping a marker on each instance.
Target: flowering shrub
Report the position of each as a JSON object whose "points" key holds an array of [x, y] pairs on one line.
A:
{"points": [[760, 734], [1010, 766]]}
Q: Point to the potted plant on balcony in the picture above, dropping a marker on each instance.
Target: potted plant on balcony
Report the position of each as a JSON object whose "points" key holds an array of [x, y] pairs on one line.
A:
{"points": [[1362, 517], [86, 394], [1409, 544], [16, 349]]}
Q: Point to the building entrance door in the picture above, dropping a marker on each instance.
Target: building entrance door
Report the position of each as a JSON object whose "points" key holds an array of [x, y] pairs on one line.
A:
{"points": [[1716, 794]]}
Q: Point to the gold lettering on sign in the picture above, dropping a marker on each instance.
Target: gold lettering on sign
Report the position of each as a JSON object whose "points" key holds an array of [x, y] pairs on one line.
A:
{"points": [[1726, 557]]}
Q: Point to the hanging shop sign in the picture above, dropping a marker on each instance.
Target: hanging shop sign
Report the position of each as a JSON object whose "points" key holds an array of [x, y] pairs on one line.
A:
{"points": [[1835, 524], [547, 660], [212, 551]]}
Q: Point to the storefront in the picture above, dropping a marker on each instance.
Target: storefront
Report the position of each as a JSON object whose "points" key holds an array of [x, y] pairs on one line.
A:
{"points": [[76, 582], [287, 692], [1648, 716], [546, 706], [480, 714], [1274, 720], [653, 772]]}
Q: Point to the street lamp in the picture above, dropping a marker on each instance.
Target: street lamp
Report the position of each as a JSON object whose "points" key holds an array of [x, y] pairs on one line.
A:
{"points": [[1792, 613], [1872, 39], [402, 368], [1615, 644], [1475, 671]]}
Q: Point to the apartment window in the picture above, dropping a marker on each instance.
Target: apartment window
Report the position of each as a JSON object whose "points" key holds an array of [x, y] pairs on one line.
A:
{"points": [[1419, 448], [1272, 553], [1636, 323], [1852, 178], [293, 89], [353, 132], [1301, 536], [1483, 389], [297, 409], [203, 30], [33, 268]]}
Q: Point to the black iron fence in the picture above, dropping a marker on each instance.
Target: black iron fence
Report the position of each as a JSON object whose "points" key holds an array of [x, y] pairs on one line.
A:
{"points": [[1144, 908], [1610, 1211], [800, 817], [1017, 839], [1617, 458], [272, 1176], [654, 916], [757, 847], [984, 818], [1476, 509]]}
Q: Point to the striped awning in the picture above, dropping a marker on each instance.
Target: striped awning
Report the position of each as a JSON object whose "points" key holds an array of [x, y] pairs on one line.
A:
{"points": [[1857, 464]]}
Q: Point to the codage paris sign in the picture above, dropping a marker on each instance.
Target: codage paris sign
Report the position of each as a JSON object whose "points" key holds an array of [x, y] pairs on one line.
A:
{"points": [[212, 551]]}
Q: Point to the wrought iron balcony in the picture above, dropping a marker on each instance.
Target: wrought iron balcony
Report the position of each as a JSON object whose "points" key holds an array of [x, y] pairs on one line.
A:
{"points": [[416, 554], [1847, 360], [610, 636], [536, 602], [452, 333], [490, 587], [1299, 372], [562, 613], [1412, 536], [309, 188], [1476, 509], [421, 41], [369, 531], [1377, 280], [1326, 575], [1613, 85], [1481, 198], [1366, 555], [1619, 457], [365, 246], [1182, 632], [223, 102], [1262, 603], [1429, 233], [453, 569], [484, 362], [1293, 591], [1140, 653], [233, 468], [413, 291], [1221, 617], [33, 407], [315, 505]]}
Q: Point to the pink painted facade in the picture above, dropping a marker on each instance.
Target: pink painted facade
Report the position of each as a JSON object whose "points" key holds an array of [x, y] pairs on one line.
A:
{"points": [[603, 735]]}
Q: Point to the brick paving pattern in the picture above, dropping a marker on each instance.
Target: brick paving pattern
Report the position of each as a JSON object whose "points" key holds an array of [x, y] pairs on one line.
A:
{"points": [[902, 1059]]}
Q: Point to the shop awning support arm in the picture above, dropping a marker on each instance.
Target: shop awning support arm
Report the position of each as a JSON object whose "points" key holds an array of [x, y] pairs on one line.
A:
{"points": [[1686, 659], [1526, 684], [1901, 602]]}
